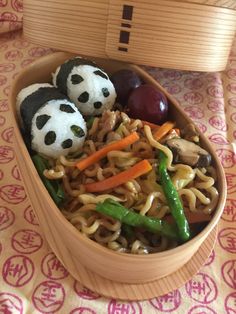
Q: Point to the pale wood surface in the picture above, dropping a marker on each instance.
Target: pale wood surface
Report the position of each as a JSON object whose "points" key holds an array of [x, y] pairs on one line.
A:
{"points": [[188, 35], [67, 24], [174, 34], [217, 3], [75, 250], [151, 289]]}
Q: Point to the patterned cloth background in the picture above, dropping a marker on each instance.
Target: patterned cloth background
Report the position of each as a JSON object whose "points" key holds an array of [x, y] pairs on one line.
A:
{"points": [[32, 280]]}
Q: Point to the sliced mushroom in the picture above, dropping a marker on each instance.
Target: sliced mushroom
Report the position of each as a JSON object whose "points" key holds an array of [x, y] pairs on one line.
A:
{"points": [[188, 153]]}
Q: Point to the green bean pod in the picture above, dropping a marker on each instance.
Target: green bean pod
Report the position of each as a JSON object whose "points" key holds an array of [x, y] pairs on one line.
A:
{"points": [[173, 199], [117, 211]]}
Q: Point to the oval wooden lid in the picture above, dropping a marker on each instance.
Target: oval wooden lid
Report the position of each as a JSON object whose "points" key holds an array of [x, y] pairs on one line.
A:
{"points": [[194, 35]]}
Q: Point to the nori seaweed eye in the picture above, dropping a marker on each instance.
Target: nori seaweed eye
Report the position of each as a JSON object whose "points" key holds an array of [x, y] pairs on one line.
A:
{"points": [[84, 97], [105, 92], [76, 79], [77, 131], [42, 120], [100, 73], [50, 138], [66, 108], [97, 104], [67, 143]]}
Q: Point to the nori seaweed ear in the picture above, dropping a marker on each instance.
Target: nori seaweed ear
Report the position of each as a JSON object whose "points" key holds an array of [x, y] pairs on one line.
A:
{"points": [[33, 102], [66, 68]]}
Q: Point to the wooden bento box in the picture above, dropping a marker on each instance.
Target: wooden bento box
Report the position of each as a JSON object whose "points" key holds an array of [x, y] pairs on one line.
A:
{"points": [[191, 35], [113, 274]]}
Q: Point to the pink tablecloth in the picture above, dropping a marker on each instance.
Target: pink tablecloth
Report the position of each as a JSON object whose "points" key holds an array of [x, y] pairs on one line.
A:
{"points": [[32, 279]]}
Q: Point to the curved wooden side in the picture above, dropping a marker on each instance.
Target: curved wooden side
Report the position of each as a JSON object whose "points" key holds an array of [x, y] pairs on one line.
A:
{"points": [[149, 290], [189, 34]]}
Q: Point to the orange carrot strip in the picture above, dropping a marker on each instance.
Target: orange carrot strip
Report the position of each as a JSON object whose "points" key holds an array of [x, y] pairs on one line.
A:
{"points": [[152, 125], [163, 130], [192, 217], [137, 170], [118, 145]]}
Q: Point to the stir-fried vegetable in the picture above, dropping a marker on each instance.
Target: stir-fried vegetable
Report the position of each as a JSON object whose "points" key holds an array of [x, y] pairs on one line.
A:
{"points": [[134, 172], [101, 153], [163, 130], [117, 211], [173, 199], [53, 186]]}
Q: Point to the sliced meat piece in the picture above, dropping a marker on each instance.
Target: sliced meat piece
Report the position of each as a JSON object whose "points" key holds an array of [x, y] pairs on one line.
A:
{"points": [[107, 123], [190, 133], [188, 153]]}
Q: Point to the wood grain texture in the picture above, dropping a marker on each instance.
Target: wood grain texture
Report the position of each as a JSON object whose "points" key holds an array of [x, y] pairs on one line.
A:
{"points": [[188, 35], [71, 247], [175, 35], [155, 288], [217, 3], [67, 25]]}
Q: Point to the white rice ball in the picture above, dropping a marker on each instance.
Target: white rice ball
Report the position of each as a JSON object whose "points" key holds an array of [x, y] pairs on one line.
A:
{"points": [[25, 92], [89, 88], [58, 128]]}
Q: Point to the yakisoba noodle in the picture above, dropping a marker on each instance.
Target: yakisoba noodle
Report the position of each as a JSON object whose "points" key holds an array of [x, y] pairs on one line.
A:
{"points": [[144, 195]]}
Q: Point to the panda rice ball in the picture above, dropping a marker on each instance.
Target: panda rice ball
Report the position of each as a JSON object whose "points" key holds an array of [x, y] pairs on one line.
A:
{"points": [[86, 85], [58, 128]]}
